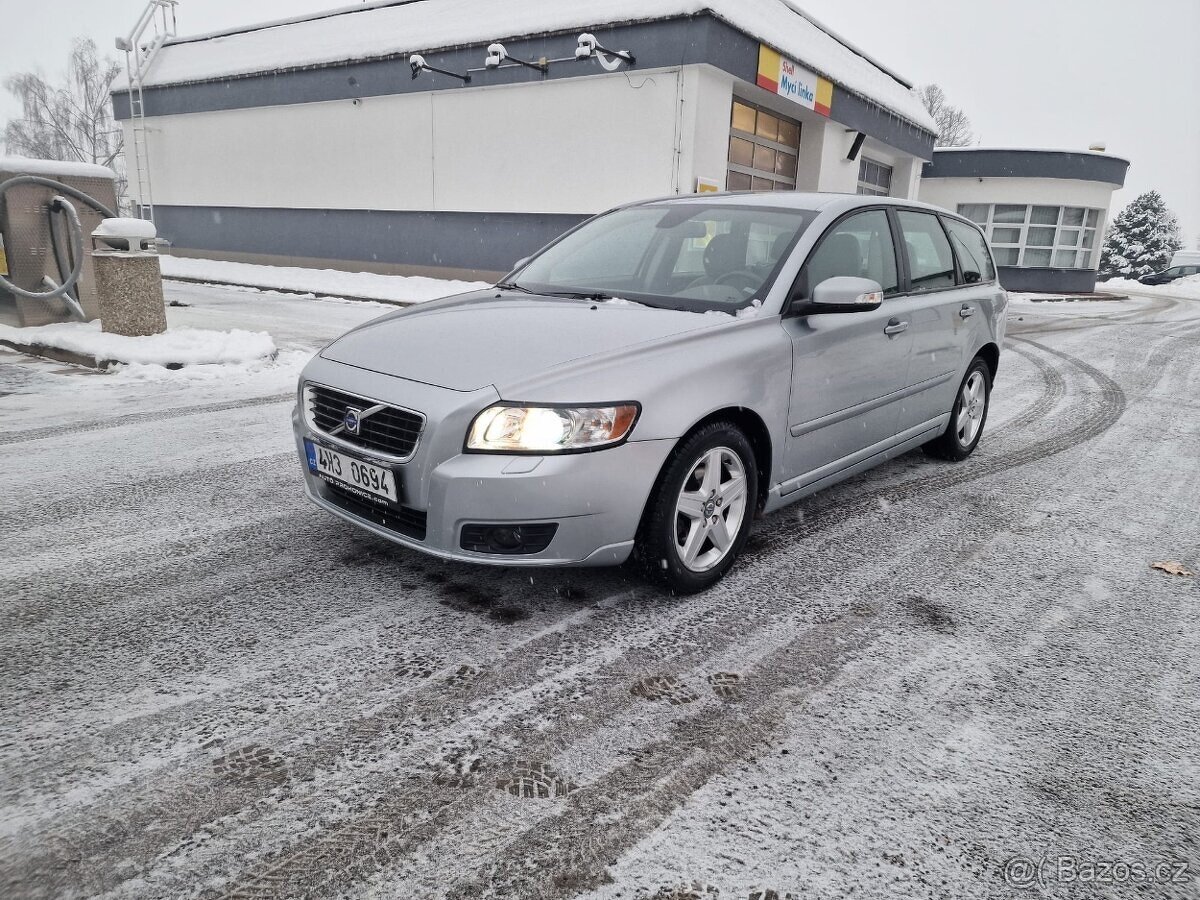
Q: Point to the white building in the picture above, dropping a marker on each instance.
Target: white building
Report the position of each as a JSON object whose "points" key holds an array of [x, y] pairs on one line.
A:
{"points": [[1044, 211], [310, 141]]}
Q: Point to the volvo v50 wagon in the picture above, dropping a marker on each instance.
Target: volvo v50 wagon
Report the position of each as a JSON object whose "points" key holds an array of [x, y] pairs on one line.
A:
{"points": [[654, 380]]}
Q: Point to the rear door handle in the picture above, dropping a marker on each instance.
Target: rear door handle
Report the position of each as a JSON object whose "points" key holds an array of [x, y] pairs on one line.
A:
{"points": [[895, 326], [966, 312]]}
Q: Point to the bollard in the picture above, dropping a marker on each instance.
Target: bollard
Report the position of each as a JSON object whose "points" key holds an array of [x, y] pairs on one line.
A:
{"points": [[128, 278]]}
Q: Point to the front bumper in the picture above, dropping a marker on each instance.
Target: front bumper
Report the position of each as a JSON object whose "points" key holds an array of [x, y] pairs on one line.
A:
{"points": [[595, 499]]}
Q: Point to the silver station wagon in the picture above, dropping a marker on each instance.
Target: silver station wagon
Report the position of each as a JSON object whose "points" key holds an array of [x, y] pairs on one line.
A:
{"points": [[654, 380]]}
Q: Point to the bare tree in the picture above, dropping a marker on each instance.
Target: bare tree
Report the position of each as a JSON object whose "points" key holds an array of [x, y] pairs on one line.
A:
{"points": [[954, 127], [72, 121]]}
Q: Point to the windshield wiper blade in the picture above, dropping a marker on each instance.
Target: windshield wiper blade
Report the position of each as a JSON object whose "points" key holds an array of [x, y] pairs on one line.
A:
{"points": [[581, 295], [511, 286], [565, 295]]}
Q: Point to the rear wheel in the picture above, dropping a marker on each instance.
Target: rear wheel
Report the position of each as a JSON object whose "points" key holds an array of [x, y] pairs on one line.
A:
{"points": [[967, 419], [700, 513]]}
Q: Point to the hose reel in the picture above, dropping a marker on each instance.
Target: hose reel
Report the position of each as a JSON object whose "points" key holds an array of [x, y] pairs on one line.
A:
{"points": [[69, 258]]}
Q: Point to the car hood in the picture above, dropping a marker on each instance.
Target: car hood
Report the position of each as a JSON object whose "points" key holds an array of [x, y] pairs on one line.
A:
{"points": [[472, 341]]}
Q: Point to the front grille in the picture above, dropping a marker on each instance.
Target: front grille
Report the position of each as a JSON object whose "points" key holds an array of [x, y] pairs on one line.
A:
{"points": [[390, 431], [411, 523]]}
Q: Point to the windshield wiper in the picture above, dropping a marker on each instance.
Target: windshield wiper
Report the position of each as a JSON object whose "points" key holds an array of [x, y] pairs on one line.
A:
{"points": [[511, 286], [580, 295], [566, 295]]}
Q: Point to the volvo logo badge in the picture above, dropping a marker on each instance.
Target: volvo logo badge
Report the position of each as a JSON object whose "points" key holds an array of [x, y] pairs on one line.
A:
{"points": [[353, 421]]}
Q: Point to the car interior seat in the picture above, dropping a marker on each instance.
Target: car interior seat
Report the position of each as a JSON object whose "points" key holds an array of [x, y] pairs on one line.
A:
{"points": [[724, 254]]}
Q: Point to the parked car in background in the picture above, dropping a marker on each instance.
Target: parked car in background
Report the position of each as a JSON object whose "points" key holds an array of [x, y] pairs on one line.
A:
{"points": [[654, 380], [1172, 274]]}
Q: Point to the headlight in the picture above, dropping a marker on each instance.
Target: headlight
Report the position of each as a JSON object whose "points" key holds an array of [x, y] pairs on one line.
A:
{"points": [[550, 429]]}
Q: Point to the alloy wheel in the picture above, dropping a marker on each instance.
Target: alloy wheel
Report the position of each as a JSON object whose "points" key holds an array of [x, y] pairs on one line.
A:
{"points": [[972, 405], [710, 509]]}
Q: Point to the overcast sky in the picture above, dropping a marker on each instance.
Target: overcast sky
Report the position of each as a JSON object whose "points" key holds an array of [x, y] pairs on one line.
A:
{"points": [[1034, 73]]}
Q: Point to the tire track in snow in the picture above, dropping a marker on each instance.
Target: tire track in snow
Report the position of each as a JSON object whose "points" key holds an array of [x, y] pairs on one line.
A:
{"points": [[39, 434]]}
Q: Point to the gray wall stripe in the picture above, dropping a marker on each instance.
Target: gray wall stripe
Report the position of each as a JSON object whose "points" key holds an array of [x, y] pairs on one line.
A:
{"points": [[476, 241], [1068, 281], [1026, 164]]}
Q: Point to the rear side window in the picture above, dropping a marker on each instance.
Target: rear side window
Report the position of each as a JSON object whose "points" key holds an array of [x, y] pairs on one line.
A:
{"points": [[930, 260], [859, 246], [971, 250]]}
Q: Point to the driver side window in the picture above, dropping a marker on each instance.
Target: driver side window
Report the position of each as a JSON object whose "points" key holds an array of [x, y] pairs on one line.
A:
{"points": [[860, 247]]}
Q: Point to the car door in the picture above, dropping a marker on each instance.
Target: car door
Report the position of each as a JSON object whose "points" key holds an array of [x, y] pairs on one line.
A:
{"points": [[848, 369], [933, 303]]}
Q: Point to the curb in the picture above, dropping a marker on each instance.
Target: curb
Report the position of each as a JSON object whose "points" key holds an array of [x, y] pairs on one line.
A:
{"points": [[65, 356], [319, 295]]}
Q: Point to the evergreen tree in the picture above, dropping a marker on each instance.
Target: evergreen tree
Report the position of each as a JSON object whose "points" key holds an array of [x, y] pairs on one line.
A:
{"points": [[1141, 240]]}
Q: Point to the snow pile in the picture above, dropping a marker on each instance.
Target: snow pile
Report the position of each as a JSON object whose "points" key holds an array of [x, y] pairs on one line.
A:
{"points": [[1184, 288], [328, 282], [376, 31], [49, 168], [180, 347]]}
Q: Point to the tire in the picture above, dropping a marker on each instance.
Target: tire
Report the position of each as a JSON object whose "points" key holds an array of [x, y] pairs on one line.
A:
{"points": [[962, 434], [679, 544]]}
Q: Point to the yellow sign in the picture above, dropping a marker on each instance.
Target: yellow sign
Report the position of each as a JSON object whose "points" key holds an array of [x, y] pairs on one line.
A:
{"points": [[3, 257], [789, 79], [707, 186]]}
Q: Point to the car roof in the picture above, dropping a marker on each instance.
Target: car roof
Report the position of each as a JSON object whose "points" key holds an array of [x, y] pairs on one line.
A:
{"points": [[811, 201]]}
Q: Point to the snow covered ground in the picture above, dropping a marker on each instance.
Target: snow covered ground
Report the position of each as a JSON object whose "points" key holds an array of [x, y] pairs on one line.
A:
{"points": [[325, 282], [1185, 287], [212, 689]]}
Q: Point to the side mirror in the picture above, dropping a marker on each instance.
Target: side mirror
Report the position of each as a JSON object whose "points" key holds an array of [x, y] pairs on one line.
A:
{"points": [[840, 295]]}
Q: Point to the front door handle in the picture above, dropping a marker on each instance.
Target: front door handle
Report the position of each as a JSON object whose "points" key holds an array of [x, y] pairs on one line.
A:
{"points": [[895, 326], [966, 312]]}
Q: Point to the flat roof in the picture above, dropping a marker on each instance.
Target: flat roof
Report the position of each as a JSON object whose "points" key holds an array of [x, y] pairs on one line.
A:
{"points": [[388, 28]]}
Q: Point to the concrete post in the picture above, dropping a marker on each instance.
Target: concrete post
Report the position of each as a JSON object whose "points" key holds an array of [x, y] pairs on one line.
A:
{"points": [[128, 278]]}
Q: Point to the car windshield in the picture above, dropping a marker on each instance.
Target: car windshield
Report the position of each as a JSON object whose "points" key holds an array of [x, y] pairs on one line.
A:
{"points": [[686, 256]]}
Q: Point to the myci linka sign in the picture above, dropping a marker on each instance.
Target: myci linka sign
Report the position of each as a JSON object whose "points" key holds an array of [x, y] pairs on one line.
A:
{"points": [[788, 78]]}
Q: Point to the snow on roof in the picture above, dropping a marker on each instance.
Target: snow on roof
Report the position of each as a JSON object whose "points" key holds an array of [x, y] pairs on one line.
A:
{"points": [[396, 28], [50, 168], [1027, 150]]}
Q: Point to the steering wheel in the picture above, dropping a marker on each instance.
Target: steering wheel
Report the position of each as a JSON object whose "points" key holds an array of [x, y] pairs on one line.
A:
{"points": [[749, 280]]}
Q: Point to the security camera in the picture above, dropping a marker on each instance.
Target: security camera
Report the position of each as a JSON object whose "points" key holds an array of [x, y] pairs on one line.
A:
{"points": [[587, 46], [496, 55], [417, 61]]}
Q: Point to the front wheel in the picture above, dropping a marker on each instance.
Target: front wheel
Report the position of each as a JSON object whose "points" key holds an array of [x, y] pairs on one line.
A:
{"points": [[968, 416], [699, 515]]}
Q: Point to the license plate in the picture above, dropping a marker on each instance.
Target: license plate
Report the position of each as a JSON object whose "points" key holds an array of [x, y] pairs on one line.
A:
{"points": [[352, 472]]}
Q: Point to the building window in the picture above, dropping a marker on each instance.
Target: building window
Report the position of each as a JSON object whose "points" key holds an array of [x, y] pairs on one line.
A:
{"points": [[1037, 237], [764, 150], [874, 178]]}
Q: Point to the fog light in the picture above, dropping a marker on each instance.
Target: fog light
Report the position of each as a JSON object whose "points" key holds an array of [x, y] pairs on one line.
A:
{"points": [[508, 540]]}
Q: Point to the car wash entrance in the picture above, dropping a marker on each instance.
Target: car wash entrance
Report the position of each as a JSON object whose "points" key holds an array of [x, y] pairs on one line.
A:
{"points": [[764, 150]]}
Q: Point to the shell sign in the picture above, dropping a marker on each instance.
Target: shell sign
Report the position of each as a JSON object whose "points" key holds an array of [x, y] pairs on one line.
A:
{"points": [[789, 79]]}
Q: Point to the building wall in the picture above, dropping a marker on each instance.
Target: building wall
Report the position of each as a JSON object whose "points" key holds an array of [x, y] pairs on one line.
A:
{"points": [[493, 149], [461, 182], [950, 192]]}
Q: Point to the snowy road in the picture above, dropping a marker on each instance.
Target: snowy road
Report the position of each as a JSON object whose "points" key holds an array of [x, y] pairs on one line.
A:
{"points": [[212, 689]]}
